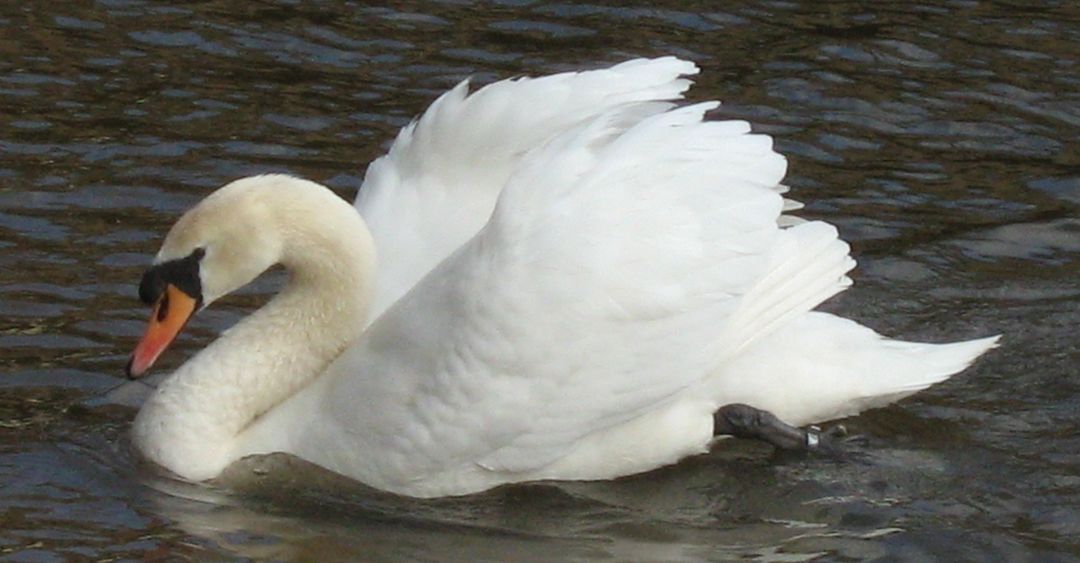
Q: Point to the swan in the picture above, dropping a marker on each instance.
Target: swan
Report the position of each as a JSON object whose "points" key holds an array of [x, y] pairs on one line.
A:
{"points": [[569, 277]]}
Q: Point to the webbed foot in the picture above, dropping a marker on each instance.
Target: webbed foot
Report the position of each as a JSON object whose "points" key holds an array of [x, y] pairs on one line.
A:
{"points": [[744, 421]]}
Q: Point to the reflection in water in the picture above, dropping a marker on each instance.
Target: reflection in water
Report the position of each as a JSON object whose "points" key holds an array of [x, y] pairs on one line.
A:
{"points": [[939, 136]]}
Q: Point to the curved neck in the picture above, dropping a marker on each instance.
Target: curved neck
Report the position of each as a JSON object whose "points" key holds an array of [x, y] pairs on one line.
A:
{"points": [[190, 424]]}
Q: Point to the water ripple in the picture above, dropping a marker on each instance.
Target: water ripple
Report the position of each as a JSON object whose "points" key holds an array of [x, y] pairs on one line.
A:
{"points": [[939, 136]]}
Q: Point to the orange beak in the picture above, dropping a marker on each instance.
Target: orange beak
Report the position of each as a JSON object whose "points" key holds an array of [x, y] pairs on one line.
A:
{"points": [[171, 313]]}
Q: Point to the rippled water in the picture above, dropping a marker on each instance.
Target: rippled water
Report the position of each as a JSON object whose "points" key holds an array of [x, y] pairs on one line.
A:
{"points": [[940, 137]]}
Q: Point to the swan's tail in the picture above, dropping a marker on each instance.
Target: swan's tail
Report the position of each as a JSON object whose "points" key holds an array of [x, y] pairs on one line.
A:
{"points": [[822, 367], [905, 368]]}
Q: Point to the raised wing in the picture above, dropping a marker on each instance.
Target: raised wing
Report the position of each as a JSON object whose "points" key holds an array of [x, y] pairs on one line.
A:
{"points": [[438, 184], [620, 267]]}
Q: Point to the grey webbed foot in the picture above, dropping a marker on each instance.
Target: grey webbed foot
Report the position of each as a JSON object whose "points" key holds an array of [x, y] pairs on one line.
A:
{"points": [[744, 421]]}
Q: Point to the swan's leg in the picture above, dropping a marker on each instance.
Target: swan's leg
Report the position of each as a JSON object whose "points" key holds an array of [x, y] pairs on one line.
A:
{"points": [[744, 421]]}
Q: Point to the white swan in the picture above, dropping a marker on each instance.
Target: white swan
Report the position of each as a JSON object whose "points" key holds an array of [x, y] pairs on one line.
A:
{"points": [[573, 276]]}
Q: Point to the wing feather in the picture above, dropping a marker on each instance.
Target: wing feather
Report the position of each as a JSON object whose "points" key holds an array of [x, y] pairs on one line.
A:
{"points": [[619, 268], [438, 184], [631, 253]]}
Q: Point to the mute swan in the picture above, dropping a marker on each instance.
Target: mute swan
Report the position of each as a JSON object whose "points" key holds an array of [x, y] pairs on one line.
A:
{"points": [[576, 279]]}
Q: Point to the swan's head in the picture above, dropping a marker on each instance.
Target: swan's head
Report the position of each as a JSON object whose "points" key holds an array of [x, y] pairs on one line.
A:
{"points": [[220, 245]]}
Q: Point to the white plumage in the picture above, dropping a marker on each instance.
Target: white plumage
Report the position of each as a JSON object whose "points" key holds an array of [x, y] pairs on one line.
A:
{"points": [[573, 275]]}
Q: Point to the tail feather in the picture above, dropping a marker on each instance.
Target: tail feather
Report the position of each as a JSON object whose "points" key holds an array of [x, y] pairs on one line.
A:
{"points": [[939, 361], [821, 367]]}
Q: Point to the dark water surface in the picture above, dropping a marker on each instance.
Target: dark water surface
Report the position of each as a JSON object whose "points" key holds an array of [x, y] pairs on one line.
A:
{"points": [[942, 138]]}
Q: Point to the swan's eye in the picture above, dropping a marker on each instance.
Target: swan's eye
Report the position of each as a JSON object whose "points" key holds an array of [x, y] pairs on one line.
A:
{"points": [[163, 307], [198, 253]]}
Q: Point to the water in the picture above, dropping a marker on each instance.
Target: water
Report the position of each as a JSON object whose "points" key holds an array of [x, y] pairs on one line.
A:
{"points": [[940, 137]]}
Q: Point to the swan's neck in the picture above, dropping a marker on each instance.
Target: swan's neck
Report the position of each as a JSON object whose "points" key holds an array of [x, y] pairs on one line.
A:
{"points": [[191, 423]]}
